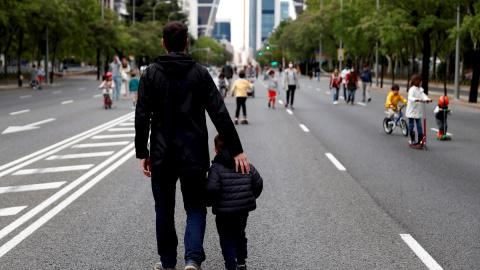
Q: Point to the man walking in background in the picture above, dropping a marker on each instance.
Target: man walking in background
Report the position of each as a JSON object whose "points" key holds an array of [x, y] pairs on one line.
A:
{"points": [[114, 68], [366, 76]]}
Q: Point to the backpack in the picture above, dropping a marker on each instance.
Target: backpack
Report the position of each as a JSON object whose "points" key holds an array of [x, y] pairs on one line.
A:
{"points": [[351, 84]]}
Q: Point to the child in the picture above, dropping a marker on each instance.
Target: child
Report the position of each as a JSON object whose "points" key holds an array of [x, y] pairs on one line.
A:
{"points": [[133, 86], [441, 117], [108, 84], [392, 100], [232, 195], [272, 88], [240, 86], [40, 76], [335, 82], [414, 109], [222, 85], [352, 85]]}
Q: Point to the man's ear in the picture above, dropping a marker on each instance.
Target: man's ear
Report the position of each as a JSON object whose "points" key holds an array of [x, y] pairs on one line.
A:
{"points": [[216, 150], [163, 44]]}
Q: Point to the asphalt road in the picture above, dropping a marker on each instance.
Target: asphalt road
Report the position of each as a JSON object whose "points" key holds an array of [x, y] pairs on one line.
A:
{"points": [[96, 212]]}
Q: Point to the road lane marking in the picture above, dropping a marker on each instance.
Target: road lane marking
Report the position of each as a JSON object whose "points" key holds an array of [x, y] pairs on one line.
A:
{"points": [[318, 89], [55, 169], [50, 214], [44, 186], [57, 92], [361, 103], [19, 112], [82, 155], [309, 86], [68, 101], [327, 92], [342, 97], [280, 101], [88, 145], [335, 162], [27, 96], [126, 124], [97, 96], [12, 129], [436, 130], [421, 253], [121, 129], [302, 126], [11, 211], [114, 136], [289, 111], [45, 152], [82, 88], [17, 223]]}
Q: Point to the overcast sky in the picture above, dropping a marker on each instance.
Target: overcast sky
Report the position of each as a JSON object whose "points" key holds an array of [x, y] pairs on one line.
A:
{"points": [[233, 10]]}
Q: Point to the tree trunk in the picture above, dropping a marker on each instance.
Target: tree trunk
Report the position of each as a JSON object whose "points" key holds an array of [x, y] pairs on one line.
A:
{"points": [[426, 51], [98, 63], [381, 72], [475, 78], [434, 75], [19, 57]]}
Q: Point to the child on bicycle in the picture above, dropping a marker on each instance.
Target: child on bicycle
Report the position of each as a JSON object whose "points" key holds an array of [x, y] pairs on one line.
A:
{"points": [[414, 109], [392, 101], [441, 117], [108, 84]]}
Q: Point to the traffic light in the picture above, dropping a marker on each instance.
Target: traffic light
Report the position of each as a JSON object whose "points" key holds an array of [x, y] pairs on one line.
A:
{"points": [[267, 47], [260, 53]]}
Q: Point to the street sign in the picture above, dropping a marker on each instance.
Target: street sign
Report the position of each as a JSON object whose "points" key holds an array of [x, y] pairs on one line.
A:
{"points": [[341, 56]]}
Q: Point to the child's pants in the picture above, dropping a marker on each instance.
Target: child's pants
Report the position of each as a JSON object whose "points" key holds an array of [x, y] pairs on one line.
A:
{"points": [[441, 124], [231, 231], [412, 121], [241, 103], [391, 113]]}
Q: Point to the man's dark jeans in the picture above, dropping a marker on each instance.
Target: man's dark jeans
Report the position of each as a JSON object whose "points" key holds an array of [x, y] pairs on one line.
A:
{"points": [[231, 231], [192, 187]]}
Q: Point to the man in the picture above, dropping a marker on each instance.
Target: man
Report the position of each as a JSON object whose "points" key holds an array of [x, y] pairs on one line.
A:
{"points": [[228, 71], [343, 74], [290, 83], [173, 95], [366, 76], [34, 77], [114, 68]]}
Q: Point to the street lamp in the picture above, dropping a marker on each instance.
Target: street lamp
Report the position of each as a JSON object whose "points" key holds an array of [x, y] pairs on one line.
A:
{"points": [[171, 13], [155, 6]]}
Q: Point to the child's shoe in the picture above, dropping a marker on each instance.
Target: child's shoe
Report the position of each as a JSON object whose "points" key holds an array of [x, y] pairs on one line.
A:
{"points": [[158, 266], [244, 121], [440, 134], [242, 267], [236, 121]]}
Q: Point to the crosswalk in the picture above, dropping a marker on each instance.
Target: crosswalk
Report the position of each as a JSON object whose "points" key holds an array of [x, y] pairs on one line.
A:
{"points": [[60, 169]]}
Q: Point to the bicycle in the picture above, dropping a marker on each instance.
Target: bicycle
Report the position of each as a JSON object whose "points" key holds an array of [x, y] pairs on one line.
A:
{"points": [[397, 120]]}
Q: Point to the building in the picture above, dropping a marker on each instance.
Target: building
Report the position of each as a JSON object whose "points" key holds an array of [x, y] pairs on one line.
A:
{"points": [[222, 30], [201, 16], [299, 6]]}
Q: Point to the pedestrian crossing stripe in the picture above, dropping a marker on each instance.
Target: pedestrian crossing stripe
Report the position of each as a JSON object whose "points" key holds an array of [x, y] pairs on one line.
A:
{"points": [[23, 188], [11, 211], [114, 136], [54, 169], [82, 155], [88, 145]]}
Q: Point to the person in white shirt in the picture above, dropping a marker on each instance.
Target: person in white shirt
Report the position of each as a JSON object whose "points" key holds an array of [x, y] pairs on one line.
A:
{"points": [[290, 83], [414, 110], [343, 74]]}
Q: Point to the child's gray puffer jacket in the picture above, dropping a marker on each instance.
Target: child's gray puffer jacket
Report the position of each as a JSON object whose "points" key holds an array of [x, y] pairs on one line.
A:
{"points": [[228, 191]]}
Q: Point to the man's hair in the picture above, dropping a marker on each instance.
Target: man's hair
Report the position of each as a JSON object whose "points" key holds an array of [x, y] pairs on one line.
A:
{"points": [[218, 142], [395, 87], [241, 74], [416, 80], [175, 36]]}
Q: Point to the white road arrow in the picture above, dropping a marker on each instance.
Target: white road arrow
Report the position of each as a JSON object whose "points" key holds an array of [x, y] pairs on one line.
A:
{"points": [[13, 129]]}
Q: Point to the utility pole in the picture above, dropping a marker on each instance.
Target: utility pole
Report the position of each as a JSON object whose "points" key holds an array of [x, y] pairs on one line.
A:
{"points": [[103, 60], [46, 57], [376, 53], [133, 12], [320, 46], [457, 58], [341, 45]]}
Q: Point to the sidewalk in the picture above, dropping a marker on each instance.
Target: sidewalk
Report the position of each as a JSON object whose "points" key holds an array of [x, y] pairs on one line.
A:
{"points": [[11, 85]]}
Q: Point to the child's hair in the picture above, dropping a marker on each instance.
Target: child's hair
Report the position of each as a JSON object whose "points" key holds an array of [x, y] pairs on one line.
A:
{"points": [[241, 74], [218, 142], [132, 74], [271, 72], [221, 76], [395, 87], [416, 80]]}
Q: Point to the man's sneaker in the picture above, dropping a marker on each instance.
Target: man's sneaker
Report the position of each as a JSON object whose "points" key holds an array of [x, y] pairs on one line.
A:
{"points": [[158, 266], [192, 266], [370, 99], [242, 267], [286, 105]]}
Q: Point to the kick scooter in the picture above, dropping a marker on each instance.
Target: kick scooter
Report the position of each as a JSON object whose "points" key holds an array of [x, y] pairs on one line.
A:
{"points": [[444, 136], [423, 143]]}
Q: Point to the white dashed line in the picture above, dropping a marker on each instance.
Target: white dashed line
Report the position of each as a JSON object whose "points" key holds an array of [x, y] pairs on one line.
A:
{"points": [[28, 96], [81, 88], [19, 112], [421, 253], [57, 92], [302, 126], [82, 155], [335, 162], [52, 185], [66, 102], [113, 136], [97, 96], [328, 93], [361, 104], [88, 145], [11, 211], [280, 101], [54, 169], [436, 130], [289, 111], [318, 89]]}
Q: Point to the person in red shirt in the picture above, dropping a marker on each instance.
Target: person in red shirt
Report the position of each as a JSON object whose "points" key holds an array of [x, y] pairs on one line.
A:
{"points": [[352, 85]]}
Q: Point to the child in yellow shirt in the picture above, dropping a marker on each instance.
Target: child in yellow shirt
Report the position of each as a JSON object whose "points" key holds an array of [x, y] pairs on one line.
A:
{"points": [[240, 87], [392, 100]]}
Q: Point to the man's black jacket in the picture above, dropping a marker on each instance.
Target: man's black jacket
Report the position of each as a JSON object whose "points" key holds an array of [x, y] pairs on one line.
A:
{"points": [[173, 95]]}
